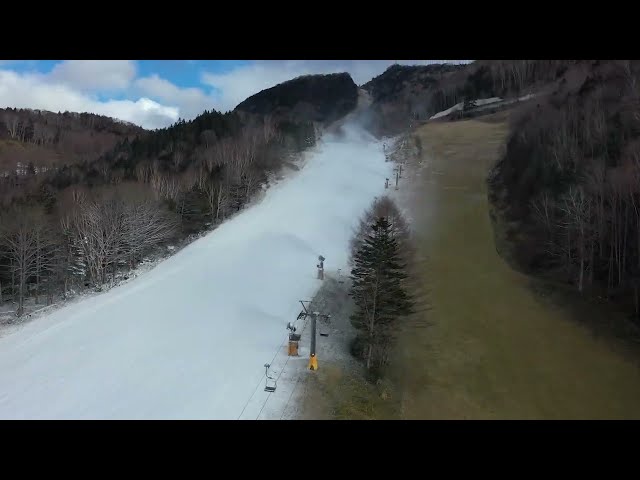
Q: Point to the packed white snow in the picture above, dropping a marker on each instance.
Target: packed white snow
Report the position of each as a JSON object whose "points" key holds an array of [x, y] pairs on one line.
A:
{"points": [[189, 338]]}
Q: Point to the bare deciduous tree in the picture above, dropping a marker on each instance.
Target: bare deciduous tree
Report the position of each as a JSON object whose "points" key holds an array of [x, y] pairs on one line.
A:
{"points": [[208, 138], [145, 225], [97, 228], [12, 123], [19, 233], [217, 199], [178, 158], [577, 220]]}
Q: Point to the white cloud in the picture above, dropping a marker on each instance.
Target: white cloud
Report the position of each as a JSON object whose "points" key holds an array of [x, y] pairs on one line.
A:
{"points": [[95, 75], [190, 101], [234, 86], [39, 92]]}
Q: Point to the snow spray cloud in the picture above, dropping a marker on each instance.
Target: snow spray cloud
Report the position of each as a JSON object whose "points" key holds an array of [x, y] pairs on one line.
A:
{"points": [[350, 132]]}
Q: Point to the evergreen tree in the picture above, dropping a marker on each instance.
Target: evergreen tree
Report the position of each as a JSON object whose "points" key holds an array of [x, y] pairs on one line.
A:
{"points": [[378, 291]]}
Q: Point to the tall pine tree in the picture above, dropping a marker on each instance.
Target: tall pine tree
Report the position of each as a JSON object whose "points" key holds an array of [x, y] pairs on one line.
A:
{"points": [[378, 291]]}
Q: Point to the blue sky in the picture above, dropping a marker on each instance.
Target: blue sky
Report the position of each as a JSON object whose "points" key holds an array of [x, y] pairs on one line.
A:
{"points": [[155, 93]]}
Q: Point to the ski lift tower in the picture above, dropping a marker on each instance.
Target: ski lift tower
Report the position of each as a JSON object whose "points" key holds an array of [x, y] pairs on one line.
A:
{"points": [[313, 361]]}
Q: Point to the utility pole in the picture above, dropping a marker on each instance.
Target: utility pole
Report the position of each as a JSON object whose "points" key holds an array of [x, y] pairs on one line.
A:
{"points": [[397, 177]]}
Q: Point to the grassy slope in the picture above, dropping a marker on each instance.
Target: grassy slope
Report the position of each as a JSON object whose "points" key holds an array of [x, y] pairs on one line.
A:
{"points": [[495, 349]]}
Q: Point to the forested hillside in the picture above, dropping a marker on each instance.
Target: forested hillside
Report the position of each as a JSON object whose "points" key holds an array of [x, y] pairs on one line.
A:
{"points": [[95, 212], [316, 98], [570, 179], [404, 94], [37, 141]]}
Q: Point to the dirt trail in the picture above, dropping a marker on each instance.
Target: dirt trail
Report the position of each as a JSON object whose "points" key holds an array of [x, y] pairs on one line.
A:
{"points": [[494, 348]]}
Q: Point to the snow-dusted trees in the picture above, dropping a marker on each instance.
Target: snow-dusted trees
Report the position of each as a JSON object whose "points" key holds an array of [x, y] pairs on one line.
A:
{"points": [[18, 242], [97, 235], [26, 241], [106, 233], [144, 226]]}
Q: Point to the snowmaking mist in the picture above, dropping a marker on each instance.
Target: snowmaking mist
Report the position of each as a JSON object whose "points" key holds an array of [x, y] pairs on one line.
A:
{"points": [[351, 132], [359, 124], [189, 338]]}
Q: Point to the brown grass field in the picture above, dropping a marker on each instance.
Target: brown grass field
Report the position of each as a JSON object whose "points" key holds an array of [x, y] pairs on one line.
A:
{"points": [[494, 349]]}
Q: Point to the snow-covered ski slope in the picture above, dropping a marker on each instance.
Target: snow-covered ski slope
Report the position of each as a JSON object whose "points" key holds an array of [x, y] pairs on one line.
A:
{"points": [[188, 340]]}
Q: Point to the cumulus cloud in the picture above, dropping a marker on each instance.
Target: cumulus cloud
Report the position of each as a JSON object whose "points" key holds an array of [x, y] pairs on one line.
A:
{"points": [[95, 75], [190, 101], [37, 91], [234, 86]]}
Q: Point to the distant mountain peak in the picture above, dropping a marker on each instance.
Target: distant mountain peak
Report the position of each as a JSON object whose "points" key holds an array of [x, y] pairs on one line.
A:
{"points": [[318, 98]]}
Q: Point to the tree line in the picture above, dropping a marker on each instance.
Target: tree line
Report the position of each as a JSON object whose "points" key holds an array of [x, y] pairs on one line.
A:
{"points": [[82, 245]]}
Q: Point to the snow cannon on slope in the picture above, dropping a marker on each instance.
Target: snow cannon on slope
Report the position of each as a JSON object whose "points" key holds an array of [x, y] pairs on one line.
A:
{"points": [[320, 266], [294, 340]]}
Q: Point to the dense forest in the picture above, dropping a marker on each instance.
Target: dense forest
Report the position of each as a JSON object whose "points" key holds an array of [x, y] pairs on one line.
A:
{"points": [[316, 98], [570, 179]]}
